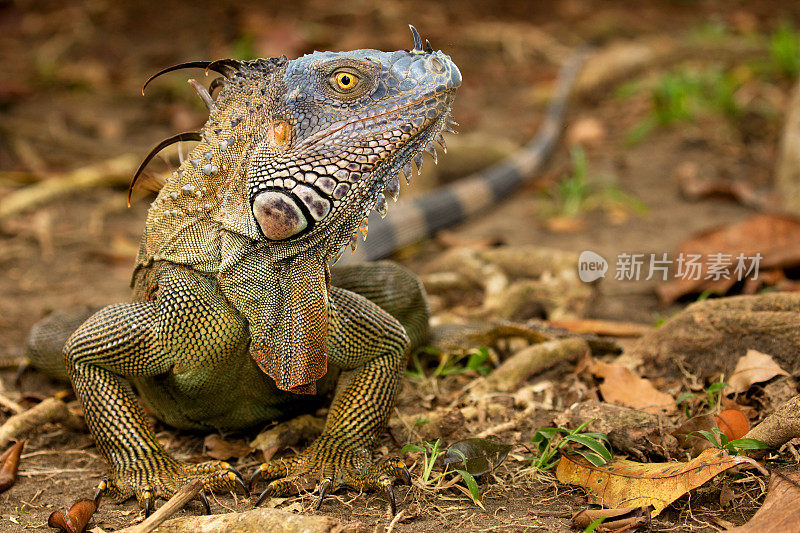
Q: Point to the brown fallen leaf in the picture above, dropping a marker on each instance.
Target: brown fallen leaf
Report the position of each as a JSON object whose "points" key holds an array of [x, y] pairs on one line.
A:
{"points": [[586, 131], [628, 483], [754, 367], [616, 520], [689, 439], [775, 237], [222, 449], [9, 464], [77, 517], [623, 387], [780, 512], [696, 187]]}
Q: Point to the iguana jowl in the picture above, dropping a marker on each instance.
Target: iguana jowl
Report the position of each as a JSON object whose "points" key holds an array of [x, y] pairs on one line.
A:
{"points": [[236, 320]]}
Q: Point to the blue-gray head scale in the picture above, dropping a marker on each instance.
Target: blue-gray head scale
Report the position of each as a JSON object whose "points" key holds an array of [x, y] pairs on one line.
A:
{"points": [[344, 126]]}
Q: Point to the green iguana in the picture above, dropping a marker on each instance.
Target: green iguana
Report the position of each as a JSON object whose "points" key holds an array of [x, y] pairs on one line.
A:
{"points": [[236, 319]]}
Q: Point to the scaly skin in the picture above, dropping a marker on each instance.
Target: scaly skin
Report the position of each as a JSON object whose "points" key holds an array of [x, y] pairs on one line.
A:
{"points": [[235, 321]]}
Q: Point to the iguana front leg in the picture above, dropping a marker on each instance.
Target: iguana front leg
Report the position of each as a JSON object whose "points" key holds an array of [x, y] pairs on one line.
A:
{"points": [[370, 342], [135, 340]]}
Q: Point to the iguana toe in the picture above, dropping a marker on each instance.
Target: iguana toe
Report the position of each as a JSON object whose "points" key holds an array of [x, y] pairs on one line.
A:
{"points": [[331, 465], [164, 477]]}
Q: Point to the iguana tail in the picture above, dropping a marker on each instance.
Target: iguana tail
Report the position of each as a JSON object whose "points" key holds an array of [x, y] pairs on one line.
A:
{"points": [[416, 220]]}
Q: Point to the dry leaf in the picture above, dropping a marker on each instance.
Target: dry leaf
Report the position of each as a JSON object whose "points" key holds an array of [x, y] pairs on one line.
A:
{"points": [[9, 464], [695, 186], [222, 449], [775, 237], [624, 519], [78, 516], [631, 484], [733, 423], [754, 367], [623, 387], [689, 439], [780, 512]]}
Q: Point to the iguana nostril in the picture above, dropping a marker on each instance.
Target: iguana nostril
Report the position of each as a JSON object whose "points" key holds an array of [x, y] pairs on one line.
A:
{"points": [[278, 216]]}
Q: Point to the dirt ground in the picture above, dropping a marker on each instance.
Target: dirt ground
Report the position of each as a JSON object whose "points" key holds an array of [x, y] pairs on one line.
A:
{"points": [[70, 98]]}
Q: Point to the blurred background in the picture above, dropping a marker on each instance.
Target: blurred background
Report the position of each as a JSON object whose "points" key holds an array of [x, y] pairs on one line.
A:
{"points": [[682, 134], [674, 127]]}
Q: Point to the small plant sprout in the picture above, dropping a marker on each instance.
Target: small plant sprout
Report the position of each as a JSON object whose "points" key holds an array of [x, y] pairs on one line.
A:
{"points": [[431, 452], [478, 361], [710, 398], [681, 95], [733, 447], [549, 445], [575, 194], [784, 50]]}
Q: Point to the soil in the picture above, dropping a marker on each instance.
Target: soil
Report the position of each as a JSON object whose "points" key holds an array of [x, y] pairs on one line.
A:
{"points": [[70, 98]]}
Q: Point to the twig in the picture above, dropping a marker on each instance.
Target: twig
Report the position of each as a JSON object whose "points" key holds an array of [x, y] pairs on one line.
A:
{"points": [[50, 410], [256, 521], [779, 427], [530, 361], [608, 328], [112, 172], [399, 516], [511, 424], [186, 494], [10, 404]]}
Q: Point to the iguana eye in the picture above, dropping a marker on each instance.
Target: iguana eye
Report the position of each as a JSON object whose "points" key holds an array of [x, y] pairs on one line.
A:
{"points": [[345, 81]]}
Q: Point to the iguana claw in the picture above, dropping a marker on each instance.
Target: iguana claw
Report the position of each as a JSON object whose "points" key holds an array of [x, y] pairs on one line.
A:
{"points": [[323, 489], [335, 465], [390, 494], [267, 493], [165, 478], [240, 481], [147, 494], [204, 499]]}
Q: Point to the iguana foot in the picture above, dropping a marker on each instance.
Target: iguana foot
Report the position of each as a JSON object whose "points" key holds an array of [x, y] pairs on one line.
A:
{"points": [[162, 476], [331, 464]]}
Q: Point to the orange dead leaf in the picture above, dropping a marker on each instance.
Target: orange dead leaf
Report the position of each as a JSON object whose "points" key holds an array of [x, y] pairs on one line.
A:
{"points": [[624, 483], [623, 387], [780, 511], [9, 464], [76, 518], [754, 367]]}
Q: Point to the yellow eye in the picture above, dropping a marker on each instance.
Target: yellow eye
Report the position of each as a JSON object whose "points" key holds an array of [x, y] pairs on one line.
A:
{"points": [[346, 80]]}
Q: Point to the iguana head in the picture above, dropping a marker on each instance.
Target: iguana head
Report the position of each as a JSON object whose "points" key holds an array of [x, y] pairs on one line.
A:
{"points": [[298, 152], [294, 156], [344, 125]]}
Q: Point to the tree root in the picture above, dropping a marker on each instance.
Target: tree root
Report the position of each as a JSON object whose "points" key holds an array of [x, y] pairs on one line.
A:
{"points": [[258, 520], [781, 426], [50, 410]]}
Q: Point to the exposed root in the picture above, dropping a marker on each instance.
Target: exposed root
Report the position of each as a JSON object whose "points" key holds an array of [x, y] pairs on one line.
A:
{"points": [[50, 410]]}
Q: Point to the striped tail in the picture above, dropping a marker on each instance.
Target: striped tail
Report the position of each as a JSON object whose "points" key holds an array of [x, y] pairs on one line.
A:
{"points": [[415, 220]]}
